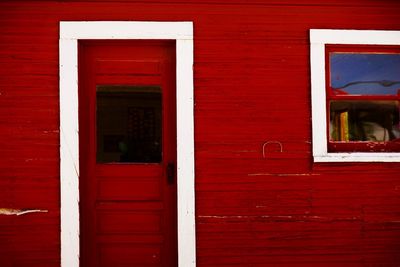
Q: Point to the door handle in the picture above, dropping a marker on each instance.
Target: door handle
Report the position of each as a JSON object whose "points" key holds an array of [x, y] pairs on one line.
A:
{"points": [[170, 173]]}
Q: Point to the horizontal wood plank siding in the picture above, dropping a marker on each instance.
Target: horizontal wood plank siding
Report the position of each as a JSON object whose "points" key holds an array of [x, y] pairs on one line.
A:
{"points": [[252, 86]]}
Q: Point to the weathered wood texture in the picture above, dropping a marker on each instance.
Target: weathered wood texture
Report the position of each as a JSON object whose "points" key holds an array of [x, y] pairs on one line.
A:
{"points": [[252, 85]]}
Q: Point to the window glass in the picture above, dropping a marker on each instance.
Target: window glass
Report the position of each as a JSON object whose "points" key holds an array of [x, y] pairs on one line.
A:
{"points": [[373, 121], [128, 124], [364, 73]]}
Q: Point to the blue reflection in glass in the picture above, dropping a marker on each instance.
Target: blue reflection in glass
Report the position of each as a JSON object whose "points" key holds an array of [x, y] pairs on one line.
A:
{"points": [[365, 74]]}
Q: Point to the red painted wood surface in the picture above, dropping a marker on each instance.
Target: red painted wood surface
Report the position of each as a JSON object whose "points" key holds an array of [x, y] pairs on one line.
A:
{"points": [[127, 209], [252, 85]]}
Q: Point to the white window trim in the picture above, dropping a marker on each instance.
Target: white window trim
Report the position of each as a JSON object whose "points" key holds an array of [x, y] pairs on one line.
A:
{"points": [[70, 33], [318, 39]]}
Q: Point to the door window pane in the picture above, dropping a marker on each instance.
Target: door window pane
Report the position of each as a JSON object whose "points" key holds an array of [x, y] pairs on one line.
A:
{"points": [[129, 121]]}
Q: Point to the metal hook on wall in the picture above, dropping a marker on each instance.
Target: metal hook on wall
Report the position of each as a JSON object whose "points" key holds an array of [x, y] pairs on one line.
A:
{"points": [[271, 142]]}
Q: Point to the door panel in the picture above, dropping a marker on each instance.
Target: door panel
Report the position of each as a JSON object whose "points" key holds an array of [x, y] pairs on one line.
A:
{"points": [[127, 142], [120, 254]]}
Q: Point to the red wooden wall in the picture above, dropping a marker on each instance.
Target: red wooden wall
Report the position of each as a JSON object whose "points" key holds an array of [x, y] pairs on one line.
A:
{"points": [[252, 85]]}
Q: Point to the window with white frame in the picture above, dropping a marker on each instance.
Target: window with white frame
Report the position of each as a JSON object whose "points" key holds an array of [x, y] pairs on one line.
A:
{"points": [[355, 87]]}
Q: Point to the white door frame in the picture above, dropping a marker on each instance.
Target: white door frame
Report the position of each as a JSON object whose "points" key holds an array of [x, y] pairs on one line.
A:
{"points": [[70, 33]]}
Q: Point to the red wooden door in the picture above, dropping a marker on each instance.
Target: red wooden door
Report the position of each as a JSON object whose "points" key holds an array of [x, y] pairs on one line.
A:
{"points": [[127, 153]]}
